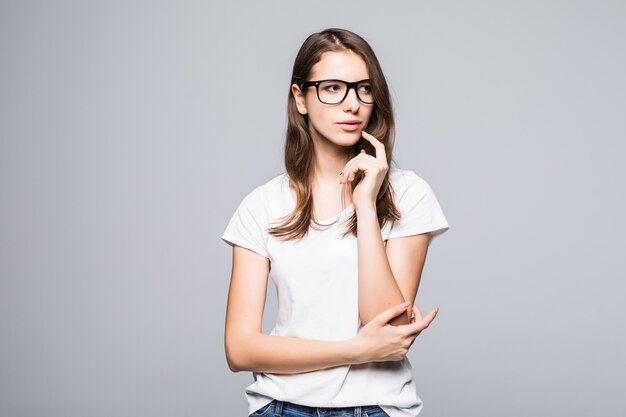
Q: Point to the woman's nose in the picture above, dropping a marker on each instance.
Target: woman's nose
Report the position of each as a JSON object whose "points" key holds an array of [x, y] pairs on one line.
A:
{"points": [[351, 101]]}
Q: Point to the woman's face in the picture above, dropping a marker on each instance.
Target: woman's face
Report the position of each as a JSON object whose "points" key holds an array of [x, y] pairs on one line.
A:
{"points": [[325, 120]]}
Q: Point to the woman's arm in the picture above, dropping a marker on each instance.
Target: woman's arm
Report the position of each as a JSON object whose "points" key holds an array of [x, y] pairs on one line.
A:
{"points": [[248, 349], [387, 275], [381, 283], [286, 355]]}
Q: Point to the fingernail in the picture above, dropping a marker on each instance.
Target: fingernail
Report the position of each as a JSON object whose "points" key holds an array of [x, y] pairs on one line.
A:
{"points": [[405, 304]]}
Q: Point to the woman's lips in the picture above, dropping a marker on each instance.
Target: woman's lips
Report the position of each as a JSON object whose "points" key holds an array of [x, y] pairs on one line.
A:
{"points": [[350, 127]]}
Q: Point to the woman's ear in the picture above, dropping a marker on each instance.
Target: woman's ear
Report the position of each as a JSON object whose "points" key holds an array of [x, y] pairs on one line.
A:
{"points": [[299, 97]]}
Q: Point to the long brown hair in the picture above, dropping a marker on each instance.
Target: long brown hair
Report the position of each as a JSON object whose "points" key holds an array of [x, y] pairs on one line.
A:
{"points": [[299, 149]]}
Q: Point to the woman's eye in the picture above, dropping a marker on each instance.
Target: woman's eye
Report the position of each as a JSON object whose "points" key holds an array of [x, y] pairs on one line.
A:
{"points": [[365, 88], [332, 88]]}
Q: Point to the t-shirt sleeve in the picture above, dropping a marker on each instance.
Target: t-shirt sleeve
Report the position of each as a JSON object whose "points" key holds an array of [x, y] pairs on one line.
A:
{"points": [[420, 210], [247, 226]]}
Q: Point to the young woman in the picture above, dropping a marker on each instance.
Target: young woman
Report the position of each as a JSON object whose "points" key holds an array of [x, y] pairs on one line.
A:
{"points": [[344, 237]]}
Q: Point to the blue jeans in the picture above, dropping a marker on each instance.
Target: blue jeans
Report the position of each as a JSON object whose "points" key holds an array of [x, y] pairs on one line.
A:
{"points": [[286, 409]]}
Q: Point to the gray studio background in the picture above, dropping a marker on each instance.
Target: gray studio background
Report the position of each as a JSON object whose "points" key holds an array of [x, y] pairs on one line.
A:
{"points": [[130, 131]]}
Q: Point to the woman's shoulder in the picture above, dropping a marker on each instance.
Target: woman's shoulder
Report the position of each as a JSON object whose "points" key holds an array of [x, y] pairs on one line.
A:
{"points": [[265, 196], [270, 188], [400, 179]]}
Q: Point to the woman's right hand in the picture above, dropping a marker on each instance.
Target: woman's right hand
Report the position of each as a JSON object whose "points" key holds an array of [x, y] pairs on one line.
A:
{"points": [[379, 341]]}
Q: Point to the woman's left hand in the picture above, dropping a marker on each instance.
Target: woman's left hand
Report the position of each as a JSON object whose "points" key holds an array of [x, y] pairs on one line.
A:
{"points": [[365, 193]]}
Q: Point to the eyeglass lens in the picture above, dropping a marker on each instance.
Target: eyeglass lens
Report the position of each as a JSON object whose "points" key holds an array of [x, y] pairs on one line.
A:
{"points": [[333, 92]]}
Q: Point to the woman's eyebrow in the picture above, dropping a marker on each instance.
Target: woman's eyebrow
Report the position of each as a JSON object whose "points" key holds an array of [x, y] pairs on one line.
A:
{"points": [[339, 79]]}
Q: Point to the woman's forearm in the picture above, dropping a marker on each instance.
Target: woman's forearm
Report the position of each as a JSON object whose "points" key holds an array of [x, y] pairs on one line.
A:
{"points": [[286, 355], [378, 289]]}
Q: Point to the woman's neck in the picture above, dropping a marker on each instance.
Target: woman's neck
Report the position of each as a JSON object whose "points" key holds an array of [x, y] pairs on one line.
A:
{"points": [[329, 160]]}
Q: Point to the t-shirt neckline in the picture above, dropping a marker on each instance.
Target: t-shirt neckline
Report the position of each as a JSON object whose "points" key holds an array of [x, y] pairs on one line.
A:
{"points": [[324, 222]]}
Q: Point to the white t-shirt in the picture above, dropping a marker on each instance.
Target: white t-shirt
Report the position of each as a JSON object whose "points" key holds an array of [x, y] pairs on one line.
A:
{"points": [[317, 286]]}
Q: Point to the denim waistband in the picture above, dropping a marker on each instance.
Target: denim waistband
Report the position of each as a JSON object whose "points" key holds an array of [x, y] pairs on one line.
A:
{"points": [[321, 411]]}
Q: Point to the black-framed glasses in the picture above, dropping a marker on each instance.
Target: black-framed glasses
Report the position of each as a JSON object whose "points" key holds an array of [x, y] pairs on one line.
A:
{"points": [[336, 91]]}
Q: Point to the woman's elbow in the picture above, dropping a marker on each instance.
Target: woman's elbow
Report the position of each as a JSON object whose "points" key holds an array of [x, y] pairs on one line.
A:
{"points": [[238, 355], [400, 319], [233, 365], [233, 356]]}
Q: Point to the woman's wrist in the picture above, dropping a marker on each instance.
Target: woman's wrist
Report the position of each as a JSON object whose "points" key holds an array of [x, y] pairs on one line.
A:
{"points": [[366, 211], [355, 351]]}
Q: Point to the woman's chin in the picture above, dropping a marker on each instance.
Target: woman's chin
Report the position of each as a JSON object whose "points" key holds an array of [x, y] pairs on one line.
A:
{"points": [[347, 138]]}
